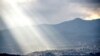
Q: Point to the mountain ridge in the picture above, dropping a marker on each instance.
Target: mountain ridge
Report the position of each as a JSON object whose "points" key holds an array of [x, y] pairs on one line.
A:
{"points": [[69, 34], [76, 20]]}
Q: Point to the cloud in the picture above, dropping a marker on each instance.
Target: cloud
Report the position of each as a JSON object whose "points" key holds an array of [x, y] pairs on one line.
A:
{"points": [[56, 11]]}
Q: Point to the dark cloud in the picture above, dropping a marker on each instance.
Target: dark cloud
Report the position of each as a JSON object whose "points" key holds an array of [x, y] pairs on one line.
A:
{"points": [[86, 1], [95, 1], [93, 6]]}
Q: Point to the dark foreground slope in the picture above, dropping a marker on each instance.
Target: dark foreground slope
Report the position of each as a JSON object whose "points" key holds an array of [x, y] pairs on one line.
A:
{"points": [[57, 53], [4, 54], [63, 53]]}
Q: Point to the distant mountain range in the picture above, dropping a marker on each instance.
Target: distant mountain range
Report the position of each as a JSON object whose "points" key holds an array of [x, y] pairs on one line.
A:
{"points": [[76, 33]]}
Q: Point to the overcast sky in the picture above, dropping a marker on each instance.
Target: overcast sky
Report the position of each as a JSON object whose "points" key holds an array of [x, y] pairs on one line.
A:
{"points": [[56, 11]]}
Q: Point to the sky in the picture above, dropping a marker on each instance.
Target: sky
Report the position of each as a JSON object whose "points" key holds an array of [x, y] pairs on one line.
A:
{"points": [[57, 11]]}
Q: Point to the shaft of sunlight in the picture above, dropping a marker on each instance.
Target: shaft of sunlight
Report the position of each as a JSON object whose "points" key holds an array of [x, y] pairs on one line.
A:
{"points": [[21, 27]]}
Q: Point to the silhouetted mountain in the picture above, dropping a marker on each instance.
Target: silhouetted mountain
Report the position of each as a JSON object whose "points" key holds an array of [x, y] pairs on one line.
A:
{"points": [[74, 33]]}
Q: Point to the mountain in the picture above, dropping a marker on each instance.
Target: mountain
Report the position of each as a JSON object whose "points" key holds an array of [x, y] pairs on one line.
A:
{"points": [[73, 34]]}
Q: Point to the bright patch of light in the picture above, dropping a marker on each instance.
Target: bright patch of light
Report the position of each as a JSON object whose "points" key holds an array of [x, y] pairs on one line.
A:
{"points": [[28, 37], [92, 17], [15, 16], [23, 31], [90, 14]]}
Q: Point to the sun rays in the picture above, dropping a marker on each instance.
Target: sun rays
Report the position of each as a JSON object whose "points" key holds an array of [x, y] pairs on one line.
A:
{"points": [[21, 28]]}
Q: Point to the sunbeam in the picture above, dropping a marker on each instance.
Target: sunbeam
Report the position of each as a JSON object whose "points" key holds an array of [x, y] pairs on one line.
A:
{"points": [[21, 27]]}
